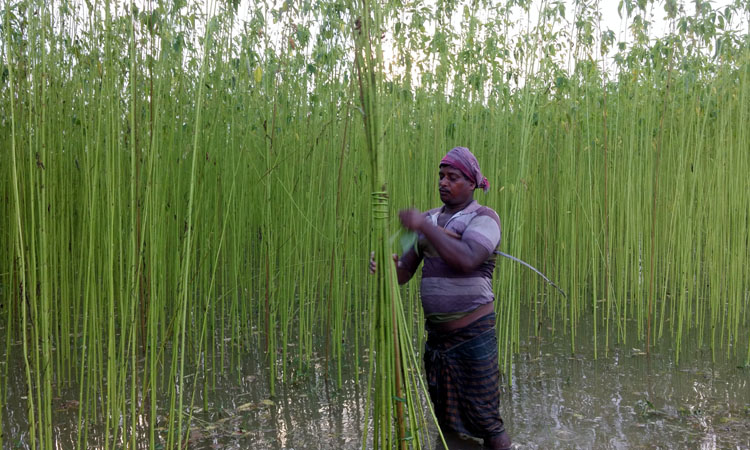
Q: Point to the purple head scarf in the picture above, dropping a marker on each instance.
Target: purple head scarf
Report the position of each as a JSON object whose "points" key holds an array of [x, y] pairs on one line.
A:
{"points": [[465, 161]]}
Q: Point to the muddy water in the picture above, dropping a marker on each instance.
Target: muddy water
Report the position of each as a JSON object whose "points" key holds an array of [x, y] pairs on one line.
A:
{"points": [[627, 399], [557, 399]]}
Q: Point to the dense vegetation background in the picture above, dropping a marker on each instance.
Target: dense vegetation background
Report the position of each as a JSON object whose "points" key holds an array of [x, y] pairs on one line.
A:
{"points": [[181, 182]]}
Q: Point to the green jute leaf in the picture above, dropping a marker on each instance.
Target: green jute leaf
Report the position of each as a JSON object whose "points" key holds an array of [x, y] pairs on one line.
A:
{"points": [[408, 240]]}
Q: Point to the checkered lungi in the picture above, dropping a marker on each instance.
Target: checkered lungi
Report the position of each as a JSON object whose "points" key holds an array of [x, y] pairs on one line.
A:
{"points": [[463, 378]]}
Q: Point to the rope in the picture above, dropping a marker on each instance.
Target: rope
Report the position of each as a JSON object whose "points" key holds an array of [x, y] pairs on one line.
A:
{"points": [[380, 205]]}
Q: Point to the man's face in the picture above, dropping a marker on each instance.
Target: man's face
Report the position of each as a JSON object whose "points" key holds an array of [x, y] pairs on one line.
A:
{"points": [[454, 188]]}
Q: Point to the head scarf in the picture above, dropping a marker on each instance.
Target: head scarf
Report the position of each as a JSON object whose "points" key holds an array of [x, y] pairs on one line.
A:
{"points": [[465, 161]]}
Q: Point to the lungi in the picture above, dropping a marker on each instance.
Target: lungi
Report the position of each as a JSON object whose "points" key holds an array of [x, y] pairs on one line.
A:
{"points": [[463, 378]]}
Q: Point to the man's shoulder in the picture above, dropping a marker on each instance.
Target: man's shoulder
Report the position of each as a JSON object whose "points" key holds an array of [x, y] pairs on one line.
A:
{"points": [[486, 211], [484, 227], [433, 211]]}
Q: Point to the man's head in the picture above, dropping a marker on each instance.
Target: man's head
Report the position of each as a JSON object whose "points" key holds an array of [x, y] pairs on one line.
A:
{"points": [[459, 176], [454, 187]]}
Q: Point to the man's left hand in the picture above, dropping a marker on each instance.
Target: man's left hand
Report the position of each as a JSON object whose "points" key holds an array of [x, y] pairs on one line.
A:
{"points": [[412, 219]]}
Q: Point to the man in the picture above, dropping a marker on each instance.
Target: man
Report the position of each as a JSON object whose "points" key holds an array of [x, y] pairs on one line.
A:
{"points": [[457, 243]]}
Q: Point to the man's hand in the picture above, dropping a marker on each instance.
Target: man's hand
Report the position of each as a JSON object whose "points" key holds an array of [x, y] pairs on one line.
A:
{"points": [[374, 265], [412, 219]]}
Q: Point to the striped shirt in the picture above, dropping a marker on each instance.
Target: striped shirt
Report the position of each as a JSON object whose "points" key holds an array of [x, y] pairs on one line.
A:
{"points": [[445, 290]]}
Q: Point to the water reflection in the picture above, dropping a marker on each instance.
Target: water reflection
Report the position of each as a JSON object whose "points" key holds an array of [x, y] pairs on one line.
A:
{"points": [[626, 400], [556, 400]]}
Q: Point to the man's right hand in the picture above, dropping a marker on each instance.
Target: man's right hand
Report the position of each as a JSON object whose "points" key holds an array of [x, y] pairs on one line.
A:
{"points": [[374, 265]]}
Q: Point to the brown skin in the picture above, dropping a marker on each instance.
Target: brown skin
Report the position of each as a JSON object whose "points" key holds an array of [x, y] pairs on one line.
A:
{"points": [[456, 192]]}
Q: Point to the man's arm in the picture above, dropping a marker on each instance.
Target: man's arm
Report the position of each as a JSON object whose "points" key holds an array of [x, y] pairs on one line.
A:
{"points": [[406, 267], [463, 255]]}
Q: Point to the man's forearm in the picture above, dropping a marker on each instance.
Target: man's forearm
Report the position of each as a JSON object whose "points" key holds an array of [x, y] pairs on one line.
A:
{"points": [[403, 275], [457, 253], [407, 265]]}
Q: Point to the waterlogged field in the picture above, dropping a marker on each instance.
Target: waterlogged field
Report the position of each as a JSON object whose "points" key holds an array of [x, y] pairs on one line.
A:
{"points": [[190, 191], [555, 400]]}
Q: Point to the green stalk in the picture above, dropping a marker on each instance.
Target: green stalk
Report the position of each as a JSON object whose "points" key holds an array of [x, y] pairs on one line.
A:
{"points": [[20, 240], [185, 293], [657, 158]]}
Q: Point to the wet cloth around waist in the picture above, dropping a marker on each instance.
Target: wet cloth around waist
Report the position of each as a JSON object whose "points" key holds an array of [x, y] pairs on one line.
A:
{"points": [[463, 378]]}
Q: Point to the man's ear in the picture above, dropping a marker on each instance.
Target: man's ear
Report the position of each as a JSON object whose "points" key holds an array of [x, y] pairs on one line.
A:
{"points": [[470, 181]]}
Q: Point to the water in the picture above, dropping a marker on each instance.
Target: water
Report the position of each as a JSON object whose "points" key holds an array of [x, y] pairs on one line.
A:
{"points": [[626, 400], [556, 400]]}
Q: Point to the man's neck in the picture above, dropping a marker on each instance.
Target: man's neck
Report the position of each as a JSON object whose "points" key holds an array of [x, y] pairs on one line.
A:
{"points": [[452, 209]]}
